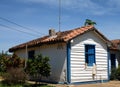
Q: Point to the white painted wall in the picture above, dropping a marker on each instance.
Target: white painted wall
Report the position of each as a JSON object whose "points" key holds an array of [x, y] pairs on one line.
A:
{"points": [[57, 60], [80, 73]]}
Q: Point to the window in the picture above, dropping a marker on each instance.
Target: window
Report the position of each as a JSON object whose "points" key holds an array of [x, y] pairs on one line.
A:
{"points": [[31, 54], [90, 54], [113, 60]]}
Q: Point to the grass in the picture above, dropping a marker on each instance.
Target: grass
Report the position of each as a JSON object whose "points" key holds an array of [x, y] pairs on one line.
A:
{"points": [[2, 84]]}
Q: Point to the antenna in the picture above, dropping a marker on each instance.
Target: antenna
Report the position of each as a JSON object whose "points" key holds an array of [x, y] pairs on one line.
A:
{"points": [[59, 15]]}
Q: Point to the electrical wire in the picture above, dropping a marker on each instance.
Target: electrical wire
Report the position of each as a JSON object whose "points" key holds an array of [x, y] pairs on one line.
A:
{"points": [[22, 26], [18, 30]]}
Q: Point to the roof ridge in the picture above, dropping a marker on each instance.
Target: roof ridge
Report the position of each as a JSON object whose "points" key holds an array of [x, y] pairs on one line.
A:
{"points": [[77, 28]]}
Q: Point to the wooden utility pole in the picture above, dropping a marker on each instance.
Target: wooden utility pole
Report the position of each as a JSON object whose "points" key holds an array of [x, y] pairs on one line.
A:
{"points": [[59, 15], [26, 51]]}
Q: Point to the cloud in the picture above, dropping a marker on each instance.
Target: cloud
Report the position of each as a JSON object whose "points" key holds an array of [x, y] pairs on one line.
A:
{"points": [[99, 7], [114, 3]]}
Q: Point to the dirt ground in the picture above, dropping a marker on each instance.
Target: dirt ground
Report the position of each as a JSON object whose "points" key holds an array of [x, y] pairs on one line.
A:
{"points": [[107, 84]]}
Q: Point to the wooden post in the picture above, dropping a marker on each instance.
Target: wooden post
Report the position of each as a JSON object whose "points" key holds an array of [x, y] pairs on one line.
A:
{"points": [[26, 50]]}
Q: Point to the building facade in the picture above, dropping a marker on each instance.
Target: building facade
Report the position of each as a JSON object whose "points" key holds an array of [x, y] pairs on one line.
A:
{"points": [[76, 56]]}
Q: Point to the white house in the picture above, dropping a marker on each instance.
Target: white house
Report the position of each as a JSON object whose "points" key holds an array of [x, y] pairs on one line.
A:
{"points": [[114, 54], [80, 55]]}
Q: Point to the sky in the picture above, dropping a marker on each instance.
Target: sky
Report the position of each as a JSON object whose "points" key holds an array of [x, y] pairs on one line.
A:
{"points": [[38, 16]]}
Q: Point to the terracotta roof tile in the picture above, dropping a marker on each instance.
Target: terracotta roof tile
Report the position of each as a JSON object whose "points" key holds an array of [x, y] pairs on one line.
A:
{"points": [[115, 44], [60, 37]]}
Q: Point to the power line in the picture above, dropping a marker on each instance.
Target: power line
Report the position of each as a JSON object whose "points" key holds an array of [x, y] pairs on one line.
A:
{"points": [[21, 26], [18, 30], [59, 15]]}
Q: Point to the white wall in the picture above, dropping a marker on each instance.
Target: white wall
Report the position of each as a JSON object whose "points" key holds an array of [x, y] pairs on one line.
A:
{"points": [[78, 71], [57, 60]]}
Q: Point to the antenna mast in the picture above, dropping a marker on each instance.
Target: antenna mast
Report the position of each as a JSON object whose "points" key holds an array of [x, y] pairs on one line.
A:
{"points": [[59, 15]]}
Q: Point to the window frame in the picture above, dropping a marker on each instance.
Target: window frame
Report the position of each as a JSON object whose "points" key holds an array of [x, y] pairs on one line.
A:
{"points": [[90, 53]]}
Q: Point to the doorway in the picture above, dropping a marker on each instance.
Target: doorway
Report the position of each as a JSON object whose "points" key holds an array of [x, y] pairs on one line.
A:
{"points": [[113, 60]]}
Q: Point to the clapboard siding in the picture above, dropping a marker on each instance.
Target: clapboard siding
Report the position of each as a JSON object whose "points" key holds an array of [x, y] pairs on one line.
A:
{"points": [[79, 71], [99, 60]]}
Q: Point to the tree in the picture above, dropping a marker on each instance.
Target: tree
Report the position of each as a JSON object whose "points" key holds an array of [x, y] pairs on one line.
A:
{"points": [[11, 68], [7, 62], [15, 75], [3, 61], [15, 62], [38, 67], [89, 22]]}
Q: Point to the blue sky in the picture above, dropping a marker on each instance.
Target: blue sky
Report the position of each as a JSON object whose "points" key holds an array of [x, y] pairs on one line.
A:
{"points": [[41, 15]]}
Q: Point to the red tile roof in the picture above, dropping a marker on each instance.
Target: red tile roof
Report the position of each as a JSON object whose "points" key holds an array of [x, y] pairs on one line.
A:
{"points": [[64, 36], [115, 44]]}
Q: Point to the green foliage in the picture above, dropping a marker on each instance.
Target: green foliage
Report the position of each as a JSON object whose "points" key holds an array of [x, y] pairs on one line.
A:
{"points": [[115, 73], [15, 76], [89, 22], [15, 62], [11, 68], [38, 66], [3, 61], [118, 73], [7, 62]]}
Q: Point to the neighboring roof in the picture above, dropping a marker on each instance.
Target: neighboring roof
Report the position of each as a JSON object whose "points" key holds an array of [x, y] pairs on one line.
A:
{"points": [[115, 44], [64, 36]]}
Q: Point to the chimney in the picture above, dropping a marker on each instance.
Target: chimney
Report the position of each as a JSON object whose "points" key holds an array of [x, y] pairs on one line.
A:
{"points": [[52, 32]]}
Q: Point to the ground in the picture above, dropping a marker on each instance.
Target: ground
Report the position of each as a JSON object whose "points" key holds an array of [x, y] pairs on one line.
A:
{"points": [[107, 84]]}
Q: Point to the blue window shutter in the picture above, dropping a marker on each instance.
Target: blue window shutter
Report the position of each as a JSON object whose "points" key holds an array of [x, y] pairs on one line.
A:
{"points": [[91, 60], [90, 54]]}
